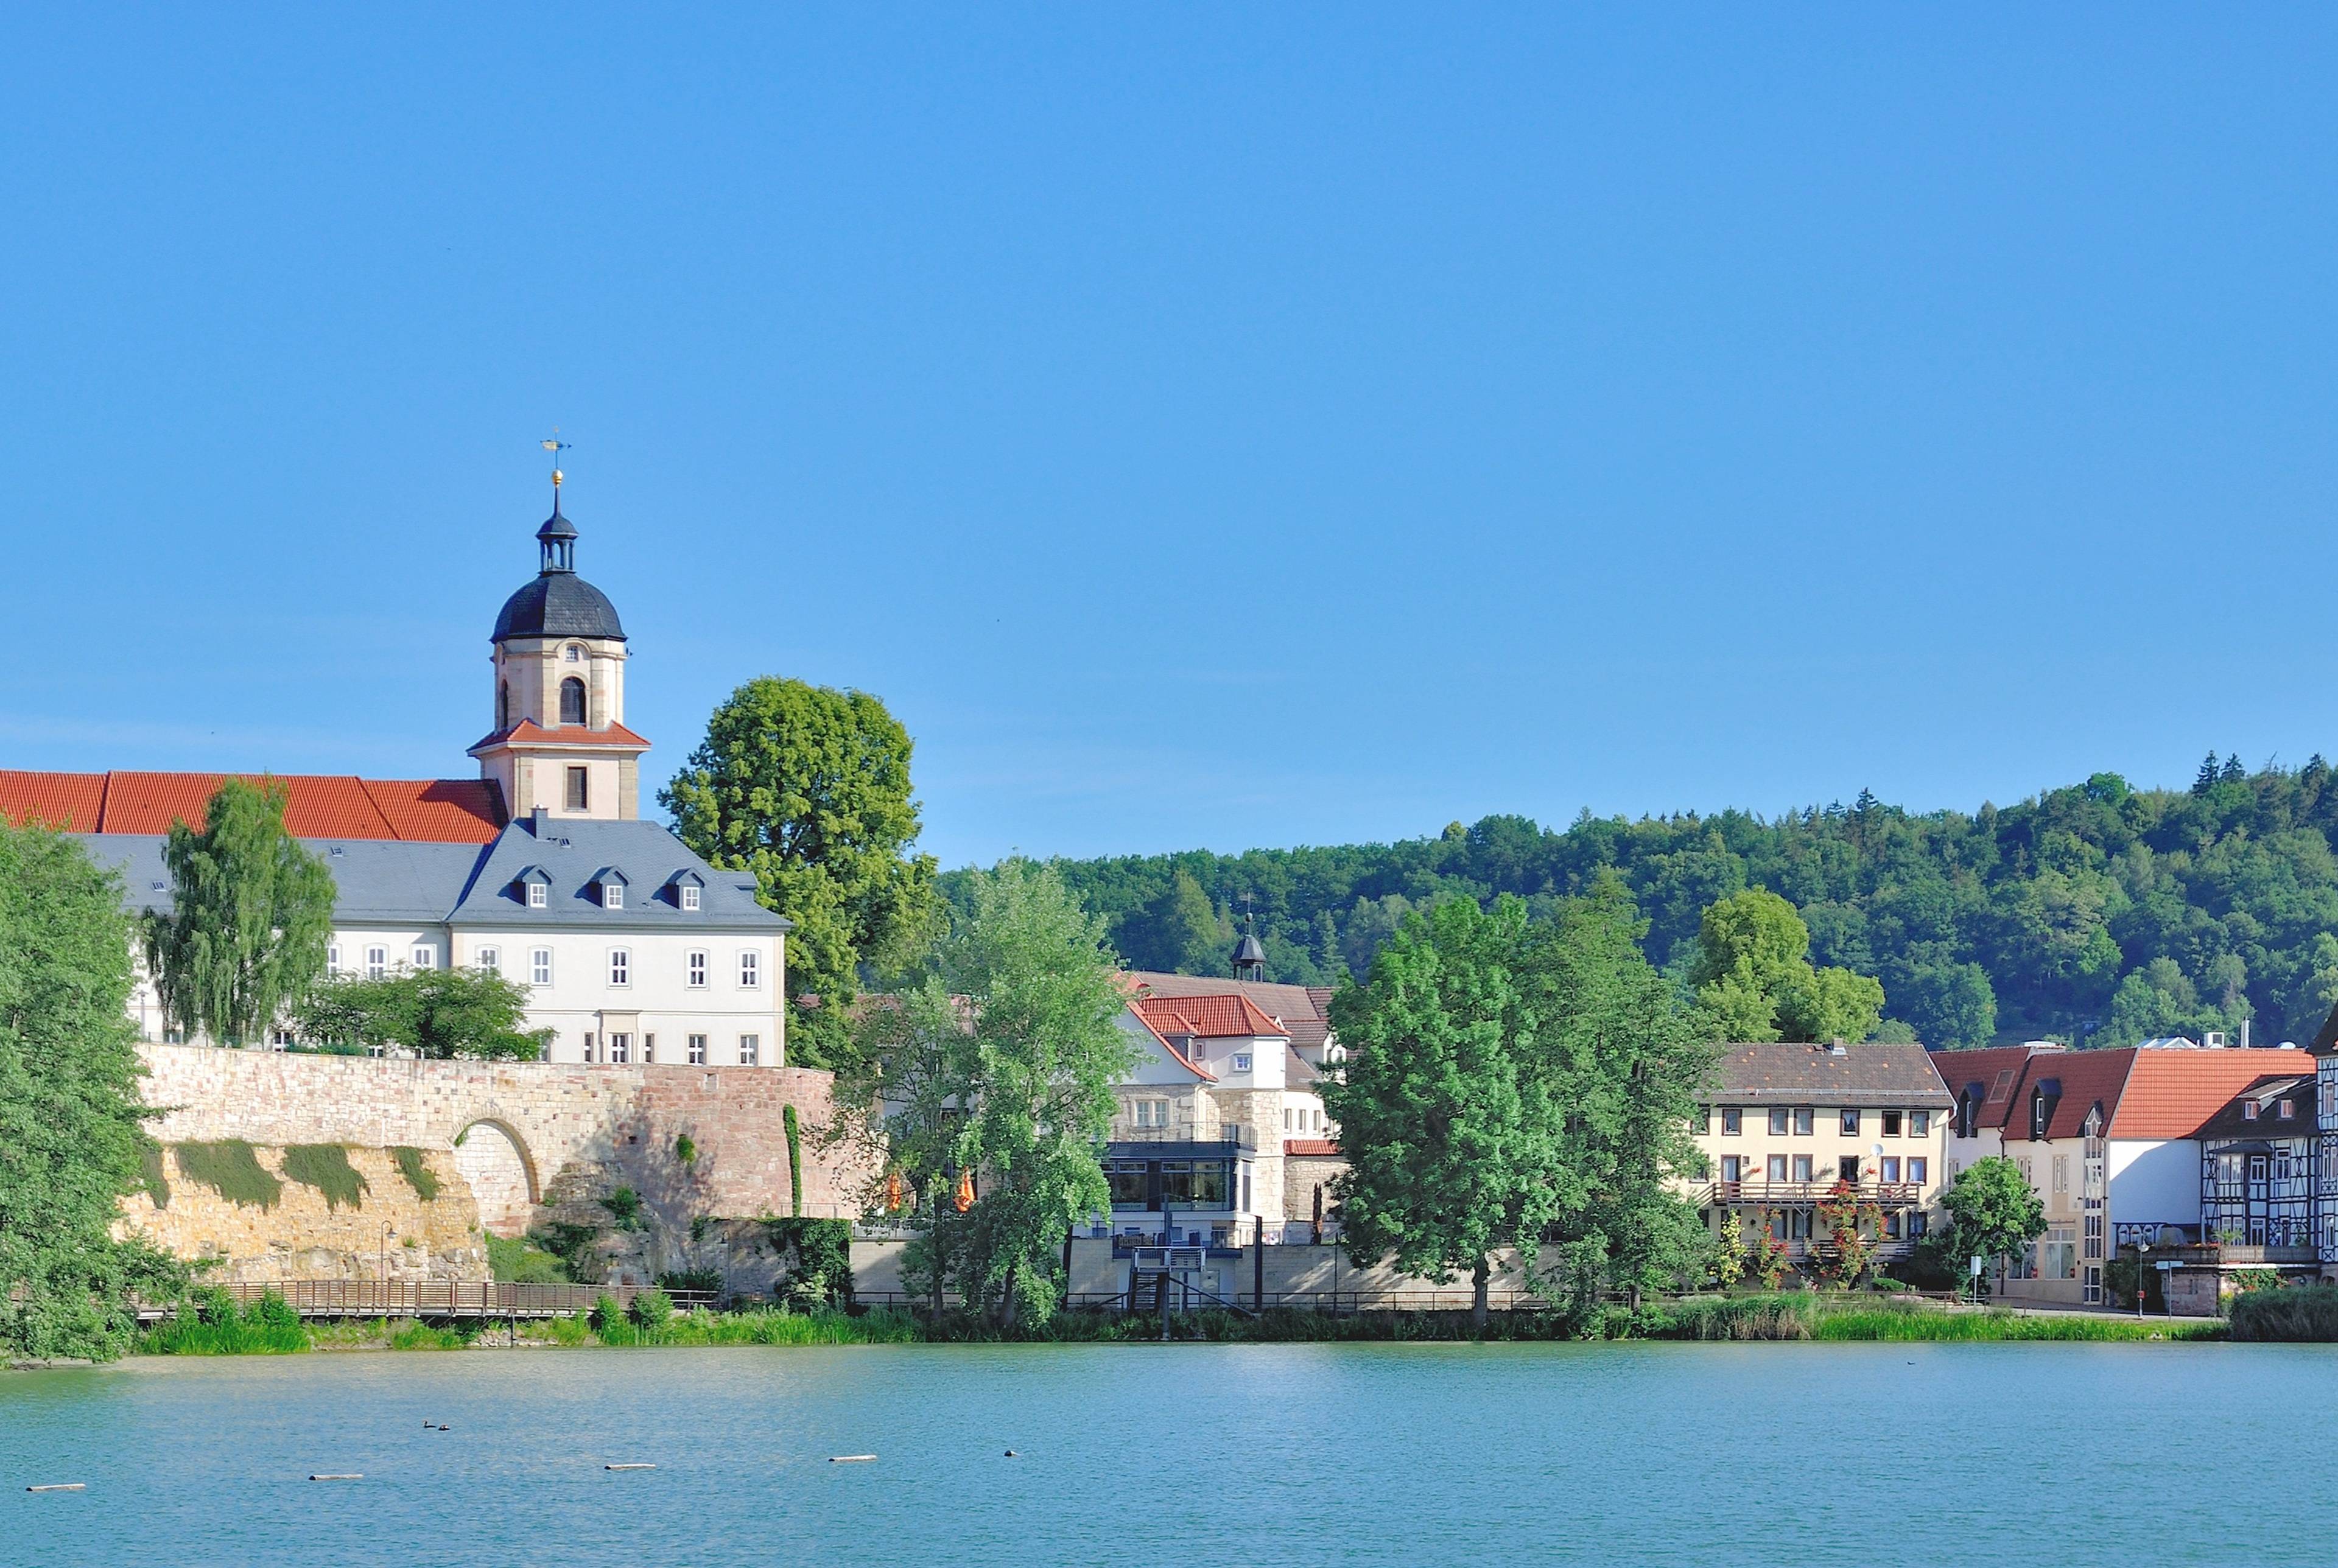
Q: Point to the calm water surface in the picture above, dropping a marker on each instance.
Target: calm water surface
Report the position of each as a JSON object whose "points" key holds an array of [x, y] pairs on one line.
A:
{"points": [[1187, 1454]]}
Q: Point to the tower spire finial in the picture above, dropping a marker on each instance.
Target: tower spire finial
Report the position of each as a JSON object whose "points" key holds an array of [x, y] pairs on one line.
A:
{"points": [[555, 446]]}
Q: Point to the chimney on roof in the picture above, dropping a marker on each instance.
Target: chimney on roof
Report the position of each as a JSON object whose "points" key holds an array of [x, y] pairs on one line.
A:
{"points": [[536, 821], [1837, 1048]]}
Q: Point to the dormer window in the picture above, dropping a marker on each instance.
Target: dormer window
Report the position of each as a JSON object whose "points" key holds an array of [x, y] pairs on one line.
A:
{"points": [[685, 886], [535, 887], [538, 896], [2286, 1112], [2248, 1110], [611, 883], [689, 901]]}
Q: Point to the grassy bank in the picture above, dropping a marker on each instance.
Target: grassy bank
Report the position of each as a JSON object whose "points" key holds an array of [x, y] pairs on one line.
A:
{"points": [[269, 1327]]}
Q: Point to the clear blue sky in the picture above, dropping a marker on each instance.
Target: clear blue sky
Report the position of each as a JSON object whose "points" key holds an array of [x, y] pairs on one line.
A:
{"points": [[1203, 426]]}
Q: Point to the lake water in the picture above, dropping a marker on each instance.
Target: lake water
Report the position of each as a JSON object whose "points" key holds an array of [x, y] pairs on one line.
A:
{"points": [[1418, 1455]]}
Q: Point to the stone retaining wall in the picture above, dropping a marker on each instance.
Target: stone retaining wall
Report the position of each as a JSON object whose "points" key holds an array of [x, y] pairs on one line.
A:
{"points": [[526, 1142]]}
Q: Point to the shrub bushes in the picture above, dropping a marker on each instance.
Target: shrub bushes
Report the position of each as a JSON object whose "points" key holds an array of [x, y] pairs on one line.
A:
{"points": [[2305, 1313], [818, 1257], [650, 1309]]}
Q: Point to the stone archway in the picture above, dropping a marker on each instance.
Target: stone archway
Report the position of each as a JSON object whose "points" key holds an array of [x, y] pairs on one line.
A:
{"points": [[494, 1163]]}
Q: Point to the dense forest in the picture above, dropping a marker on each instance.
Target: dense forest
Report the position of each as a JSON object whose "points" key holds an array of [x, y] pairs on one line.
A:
{"points": [[2099, 913]]}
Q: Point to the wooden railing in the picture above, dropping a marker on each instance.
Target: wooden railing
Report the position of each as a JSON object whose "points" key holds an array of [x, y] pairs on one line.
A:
{"points": [[446, 1297], [1752, 1193]]}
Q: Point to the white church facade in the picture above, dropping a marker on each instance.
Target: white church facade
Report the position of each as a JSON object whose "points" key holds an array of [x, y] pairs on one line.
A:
{"points": [[631, 948]]}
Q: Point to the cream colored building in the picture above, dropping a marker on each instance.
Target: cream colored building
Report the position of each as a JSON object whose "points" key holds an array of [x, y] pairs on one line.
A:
{"points": [[1787, 1122]]}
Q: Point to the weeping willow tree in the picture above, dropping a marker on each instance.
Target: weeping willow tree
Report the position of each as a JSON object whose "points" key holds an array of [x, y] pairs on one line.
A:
{"points": [[250, 914]]}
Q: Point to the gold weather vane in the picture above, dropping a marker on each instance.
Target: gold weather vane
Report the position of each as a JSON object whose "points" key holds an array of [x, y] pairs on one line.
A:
{"points": [[555, 446]]}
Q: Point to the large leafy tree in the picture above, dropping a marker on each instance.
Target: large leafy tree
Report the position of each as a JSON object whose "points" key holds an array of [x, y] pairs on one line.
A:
{"points": [[1752, 972], [1452, 1118], [250, 916], [70, 1124], [996, 1071], [439, 1014], [808, 787]]}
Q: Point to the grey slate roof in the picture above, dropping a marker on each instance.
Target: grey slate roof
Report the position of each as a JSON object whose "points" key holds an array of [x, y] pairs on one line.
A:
{"points": [[382, 881], [1781, 1073], [558, 604], [573, 853], [378, 881]]}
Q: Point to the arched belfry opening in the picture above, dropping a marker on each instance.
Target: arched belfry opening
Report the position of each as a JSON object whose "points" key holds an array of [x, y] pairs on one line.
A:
{"points": [[571, 701]]}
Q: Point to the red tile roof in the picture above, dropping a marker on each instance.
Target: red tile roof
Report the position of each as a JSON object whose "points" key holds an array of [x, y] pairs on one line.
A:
{"points": [[1996, 1069], [2175, 1093], [1211, 1017], [1319, 1147], [529, 732], [69, 802], [1179, 1057], [315, 806], [2145, 1094]]}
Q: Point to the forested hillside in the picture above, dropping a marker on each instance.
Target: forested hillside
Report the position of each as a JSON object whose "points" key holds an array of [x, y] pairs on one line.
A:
{"points": [[2098, 912]]}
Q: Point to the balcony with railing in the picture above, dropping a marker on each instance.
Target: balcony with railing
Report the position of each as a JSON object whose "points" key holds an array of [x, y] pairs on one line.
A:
{"points": [[1754, 1193]]}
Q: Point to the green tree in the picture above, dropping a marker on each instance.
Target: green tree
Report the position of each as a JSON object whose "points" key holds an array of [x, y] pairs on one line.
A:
{"points": [[1633, 1062], [808, 787], [250, 915], [72, 1136], [1752, 974], [1453, 1126], [1202, 934], [1993, 1210], [1000, 1065], [439, 1014]]}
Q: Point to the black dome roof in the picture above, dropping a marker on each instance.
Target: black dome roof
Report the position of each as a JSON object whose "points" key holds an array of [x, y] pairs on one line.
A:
{"points": [[558, 604]]}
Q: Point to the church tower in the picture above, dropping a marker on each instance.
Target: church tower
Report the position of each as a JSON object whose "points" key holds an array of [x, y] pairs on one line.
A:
{"points": [[560, 741]]}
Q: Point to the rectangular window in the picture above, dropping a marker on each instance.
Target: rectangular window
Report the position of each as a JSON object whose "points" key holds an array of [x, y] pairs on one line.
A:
{"points": [[690, 896], [2061, 1173], [1920, 1123], [1803, 1123], [2058, 1258], [539, 967], [1705, 1118], [649, 1048], [1802, 1167], [621, 1047], [751, 1051], [613, 896], [333, 959], [539, 895], [697, 1050], [751, 970], [377, 963], [425, 957], [1850, 1123], [1919, 1169], [588, 1045], [1778, 1123], [1890, 1124], [1890, 1171], [1732, 1121], [697, 981], [490, 960], [1732, 1166], [621, 966], [1242, 1060], [1128, 1179], [1777, 1168], [580, 789]]}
